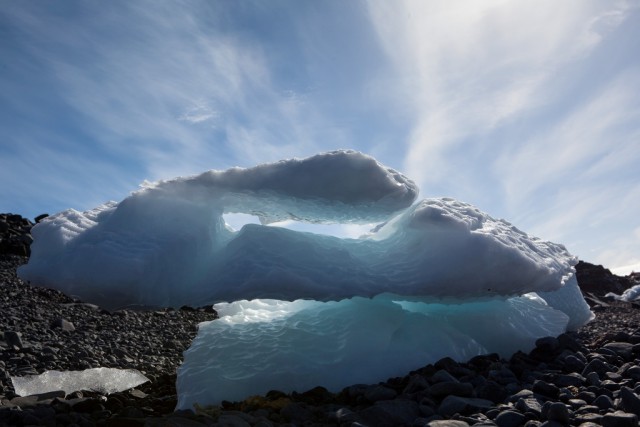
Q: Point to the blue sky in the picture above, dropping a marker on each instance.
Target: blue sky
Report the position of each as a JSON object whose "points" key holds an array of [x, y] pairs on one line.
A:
{"points": [[529, 110]]}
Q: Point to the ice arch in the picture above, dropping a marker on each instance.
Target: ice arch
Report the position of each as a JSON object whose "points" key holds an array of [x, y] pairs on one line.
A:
{"points": [[410, 291], [167, 244]]}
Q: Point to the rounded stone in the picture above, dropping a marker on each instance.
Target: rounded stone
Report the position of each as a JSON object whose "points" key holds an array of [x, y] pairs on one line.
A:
{"points": [[558, 411], [619, 419], [603, 402], [509, 418]]}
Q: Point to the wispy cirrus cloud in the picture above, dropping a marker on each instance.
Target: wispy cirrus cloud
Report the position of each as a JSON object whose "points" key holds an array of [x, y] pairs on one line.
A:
{"points": [[468, 67], [596, 138], [162, 89], [200, 113], [527, 109], [577, 182]]}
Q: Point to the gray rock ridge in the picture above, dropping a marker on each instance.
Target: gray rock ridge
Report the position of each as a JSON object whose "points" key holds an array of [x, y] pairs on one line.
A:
{"points": [[598, 280], [15, 234]]}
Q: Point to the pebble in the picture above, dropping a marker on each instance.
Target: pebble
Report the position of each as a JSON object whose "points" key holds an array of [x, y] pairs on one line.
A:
{"points": [[593, 378], [447, 423], [603, 402], [232, 421], [390, 412], [529, 405], [623, 349], [462, 405], [573, 364], [557, 411], [619, 419], [63, 324], [510, 418], [13, 339], [446, 388], [630, 401], [546, 389], [569, 380], [379, 392], [597, 366]]}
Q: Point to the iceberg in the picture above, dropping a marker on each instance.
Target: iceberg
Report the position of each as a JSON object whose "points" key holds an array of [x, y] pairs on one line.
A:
{"points": [[435, 277], [101, 380]]}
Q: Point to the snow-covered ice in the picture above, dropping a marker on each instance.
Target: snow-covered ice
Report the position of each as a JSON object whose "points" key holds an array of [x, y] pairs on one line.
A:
{"points": [[168, 244], [433, 278], [101, 380]]}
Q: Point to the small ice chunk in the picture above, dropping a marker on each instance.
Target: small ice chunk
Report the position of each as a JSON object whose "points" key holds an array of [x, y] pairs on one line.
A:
{"points": [[101, 380], [629, 295]]}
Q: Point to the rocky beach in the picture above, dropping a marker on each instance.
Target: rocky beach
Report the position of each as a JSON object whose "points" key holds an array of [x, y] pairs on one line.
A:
{"points": [[588, 377]]}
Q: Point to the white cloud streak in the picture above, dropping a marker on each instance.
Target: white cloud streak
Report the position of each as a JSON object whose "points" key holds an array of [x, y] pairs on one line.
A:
{"points": [[141, 89], [507, 110], [593, 140], [470, 66]]}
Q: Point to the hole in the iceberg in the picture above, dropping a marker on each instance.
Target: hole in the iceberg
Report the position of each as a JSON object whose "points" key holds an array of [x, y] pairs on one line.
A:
{"points": [[352, 231], [238, 220]]}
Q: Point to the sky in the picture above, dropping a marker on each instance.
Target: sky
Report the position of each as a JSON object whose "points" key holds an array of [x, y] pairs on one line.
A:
{"points": [[528, 110]]}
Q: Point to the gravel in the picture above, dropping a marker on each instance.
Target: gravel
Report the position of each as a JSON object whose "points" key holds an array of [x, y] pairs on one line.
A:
{"points": [[589, 377], [43, 329]]}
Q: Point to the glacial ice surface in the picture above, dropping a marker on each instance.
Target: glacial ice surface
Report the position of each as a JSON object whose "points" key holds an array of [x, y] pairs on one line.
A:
{"points": [[257, 346], [436, 277], [262, 345], [101, 380]]}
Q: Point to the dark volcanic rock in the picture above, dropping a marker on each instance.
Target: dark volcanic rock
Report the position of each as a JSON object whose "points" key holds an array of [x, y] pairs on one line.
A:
{"points": [[630, 401], [619, 419], [13, 339], [599, 281], [63, 324], [462, 405], [15, 235], [510, 418]]}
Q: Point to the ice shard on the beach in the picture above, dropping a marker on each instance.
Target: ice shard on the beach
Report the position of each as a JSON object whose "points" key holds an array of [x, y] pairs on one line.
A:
{"points": [[101, 380]]}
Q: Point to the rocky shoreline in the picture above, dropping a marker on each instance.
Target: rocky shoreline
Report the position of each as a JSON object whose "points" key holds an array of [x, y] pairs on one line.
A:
{"points": [[589, 377]]}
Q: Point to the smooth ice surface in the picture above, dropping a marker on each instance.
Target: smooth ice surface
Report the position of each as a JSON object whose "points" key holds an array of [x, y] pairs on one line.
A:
{"points": [[101, 380], [257, 346]]}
